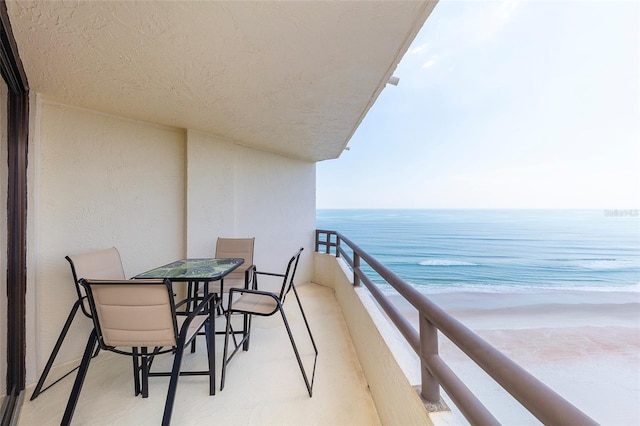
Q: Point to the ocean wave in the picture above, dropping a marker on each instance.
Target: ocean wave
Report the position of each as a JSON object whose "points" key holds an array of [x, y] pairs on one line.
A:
{"points": [[427, 289], [607, 264], [446, 262]]}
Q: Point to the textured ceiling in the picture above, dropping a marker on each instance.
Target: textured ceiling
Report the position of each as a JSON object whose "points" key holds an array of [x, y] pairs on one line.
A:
{"points": [[294, 78]]}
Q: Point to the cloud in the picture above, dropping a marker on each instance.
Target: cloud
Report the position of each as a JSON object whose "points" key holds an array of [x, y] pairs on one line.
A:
{"points": [[419, 49], [493, 113], [430, 62], [453, 36]]}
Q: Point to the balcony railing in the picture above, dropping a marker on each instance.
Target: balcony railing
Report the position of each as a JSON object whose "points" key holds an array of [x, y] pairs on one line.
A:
{"points": [[535, 396]]}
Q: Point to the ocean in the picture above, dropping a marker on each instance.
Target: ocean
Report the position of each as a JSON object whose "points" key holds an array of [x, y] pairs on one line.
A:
{"points": [[498, 251]]}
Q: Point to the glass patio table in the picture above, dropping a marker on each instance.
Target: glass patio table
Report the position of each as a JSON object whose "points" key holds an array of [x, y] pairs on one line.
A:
{"points": [[194, 271]]}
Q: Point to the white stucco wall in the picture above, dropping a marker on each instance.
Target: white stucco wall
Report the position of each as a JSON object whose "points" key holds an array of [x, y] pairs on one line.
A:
{"points": [[278, 206], [388, 363], [234, 191], [3, 239], [155, 193], [100, 181]]}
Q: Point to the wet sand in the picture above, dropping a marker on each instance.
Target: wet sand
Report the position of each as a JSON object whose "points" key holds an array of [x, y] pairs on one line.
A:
{"points": [[583, 345]]}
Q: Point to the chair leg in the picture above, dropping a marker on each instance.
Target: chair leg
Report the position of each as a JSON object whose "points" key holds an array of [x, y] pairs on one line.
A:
{"points": [[38, 390], [82, 373], [226, 347], [229, 331], [304, 317], [313, 342], [145, 372], [233, 335], [211, 349], [220, 308], [246, 331], [136, 371], [295, 350], [192, 293], [177, 362], [173, 385]]}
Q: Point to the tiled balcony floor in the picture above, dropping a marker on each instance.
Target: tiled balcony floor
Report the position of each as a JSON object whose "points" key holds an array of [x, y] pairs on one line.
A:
{"points": [[263, 386]]}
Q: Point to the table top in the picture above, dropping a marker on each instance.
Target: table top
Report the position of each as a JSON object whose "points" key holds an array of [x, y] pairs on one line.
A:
{"points": [[200, 269]]}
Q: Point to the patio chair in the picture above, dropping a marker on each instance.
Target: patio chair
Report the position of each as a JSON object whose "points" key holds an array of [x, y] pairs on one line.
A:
{"points": [[256, 302], [102, 264], [141, 314], [242, 277]]}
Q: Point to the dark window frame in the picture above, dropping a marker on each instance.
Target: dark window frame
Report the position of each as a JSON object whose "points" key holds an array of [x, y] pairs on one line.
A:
{"points": [[17, 150]]}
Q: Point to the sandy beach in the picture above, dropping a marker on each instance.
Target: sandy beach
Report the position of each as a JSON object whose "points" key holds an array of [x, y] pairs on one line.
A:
{"points": [[584, 345]]}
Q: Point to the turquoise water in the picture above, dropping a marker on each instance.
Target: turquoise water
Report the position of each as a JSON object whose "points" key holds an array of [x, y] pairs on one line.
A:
{"points": [[499, 250]]}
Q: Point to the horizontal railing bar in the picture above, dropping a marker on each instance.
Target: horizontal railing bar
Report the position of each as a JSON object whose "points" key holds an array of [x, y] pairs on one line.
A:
{"points": [[325, 231], [345, 256], [408, 331], [328, 243], [467, 402], [470, 406], [540, 400]]}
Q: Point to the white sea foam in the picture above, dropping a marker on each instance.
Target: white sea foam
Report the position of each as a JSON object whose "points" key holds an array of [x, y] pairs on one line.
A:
{"points": [[445, 262], [427, 289], [608, 264], [498, 251]]}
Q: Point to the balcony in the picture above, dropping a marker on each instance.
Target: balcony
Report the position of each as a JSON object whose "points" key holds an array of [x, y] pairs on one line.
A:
{"points": [[367, 373], [263, 385]]}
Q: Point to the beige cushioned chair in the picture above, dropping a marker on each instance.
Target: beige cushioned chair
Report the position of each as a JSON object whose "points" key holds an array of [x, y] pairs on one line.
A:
{"points": [[250, 302], [101, 264], [141, 315], [241, 277]]}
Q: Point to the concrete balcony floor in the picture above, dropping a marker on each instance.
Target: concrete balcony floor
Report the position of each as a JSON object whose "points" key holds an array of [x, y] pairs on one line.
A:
{"points": [[263, 385]]}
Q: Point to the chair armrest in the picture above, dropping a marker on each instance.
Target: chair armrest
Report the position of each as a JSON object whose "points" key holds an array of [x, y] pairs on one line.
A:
{"points": [[249, 278], [252, 291], [273, 274], [198, 310], [244, 290], [256, 273], [182, 302]]}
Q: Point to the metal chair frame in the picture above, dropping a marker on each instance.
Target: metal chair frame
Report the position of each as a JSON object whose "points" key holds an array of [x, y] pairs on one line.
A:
{"points": [[142, 359], [80, 303], [193, 290], [287, 285]]}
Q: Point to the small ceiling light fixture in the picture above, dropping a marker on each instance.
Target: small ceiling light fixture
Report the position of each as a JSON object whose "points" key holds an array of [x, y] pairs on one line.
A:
{"points": [[393, 80]]}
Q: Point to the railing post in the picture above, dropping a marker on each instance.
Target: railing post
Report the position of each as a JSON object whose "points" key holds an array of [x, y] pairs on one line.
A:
{"points": [[356, 267], [538, 399], [428, 348]]}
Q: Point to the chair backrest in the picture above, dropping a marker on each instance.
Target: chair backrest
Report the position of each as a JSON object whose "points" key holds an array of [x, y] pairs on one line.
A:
{"points": [[132, 313], [102, 264], [236, 247], [287, 282]]}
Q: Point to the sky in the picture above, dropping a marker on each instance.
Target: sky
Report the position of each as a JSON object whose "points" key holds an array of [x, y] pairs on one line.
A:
{"points": [[512, 104]]}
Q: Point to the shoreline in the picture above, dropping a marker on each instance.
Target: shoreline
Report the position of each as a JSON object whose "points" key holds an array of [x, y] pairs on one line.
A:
{"points": [[585, 346]]}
